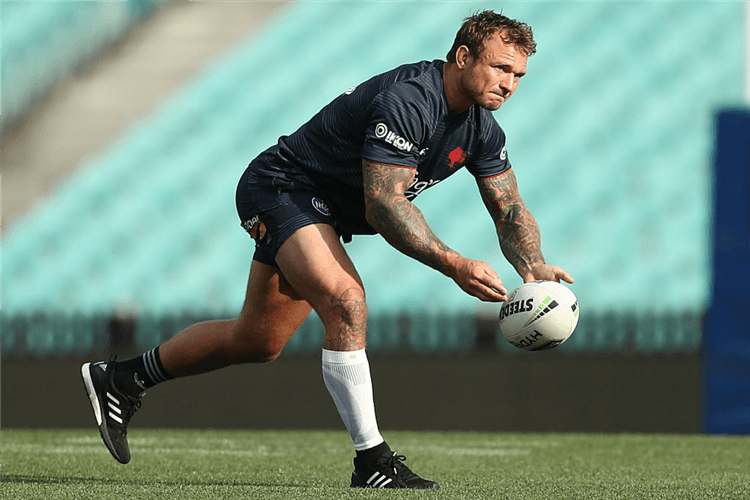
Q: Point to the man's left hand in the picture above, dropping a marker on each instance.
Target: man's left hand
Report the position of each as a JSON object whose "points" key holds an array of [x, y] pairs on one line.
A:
{"points": [[547, 273]]}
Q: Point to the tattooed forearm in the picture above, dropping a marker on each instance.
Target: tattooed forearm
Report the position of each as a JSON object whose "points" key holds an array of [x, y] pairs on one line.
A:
{"points": [[517, 230], [397, 219], [519, 237]]}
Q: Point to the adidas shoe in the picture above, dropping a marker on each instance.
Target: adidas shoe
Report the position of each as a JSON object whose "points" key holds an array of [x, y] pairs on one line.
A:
{"points": [[388, 471], [112, 408]]}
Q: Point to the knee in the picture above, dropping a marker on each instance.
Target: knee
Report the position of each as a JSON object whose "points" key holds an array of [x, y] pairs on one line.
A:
{"points": [[349, 308], [262, 354], [252, 347], [346, 321]]}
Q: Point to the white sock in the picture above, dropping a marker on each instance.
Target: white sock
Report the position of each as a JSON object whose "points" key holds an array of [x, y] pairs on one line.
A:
{"points": [[347, 377]]}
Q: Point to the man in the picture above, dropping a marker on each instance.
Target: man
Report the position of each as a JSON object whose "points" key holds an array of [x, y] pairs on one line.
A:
{"points": [[354, 169]]}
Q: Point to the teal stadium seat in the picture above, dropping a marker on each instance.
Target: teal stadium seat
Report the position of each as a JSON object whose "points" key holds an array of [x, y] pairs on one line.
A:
{"points": [[44, 42], [609, 136]]}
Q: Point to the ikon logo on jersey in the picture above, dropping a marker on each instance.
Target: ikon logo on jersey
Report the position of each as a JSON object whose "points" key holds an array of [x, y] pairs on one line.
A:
{"points": [[382, 132]]}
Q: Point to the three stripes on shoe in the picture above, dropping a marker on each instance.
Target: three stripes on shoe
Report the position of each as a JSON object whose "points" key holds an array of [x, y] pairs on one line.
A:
{"points": [[378, 480], [112, 399], [112, 407]]}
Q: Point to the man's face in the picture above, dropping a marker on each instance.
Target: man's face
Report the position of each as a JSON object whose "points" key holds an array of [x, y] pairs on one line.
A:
{"points": [[490, 79]]}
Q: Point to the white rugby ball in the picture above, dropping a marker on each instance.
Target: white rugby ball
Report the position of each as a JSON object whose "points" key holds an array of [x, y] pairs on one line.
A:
{"points": [[539, 315]]}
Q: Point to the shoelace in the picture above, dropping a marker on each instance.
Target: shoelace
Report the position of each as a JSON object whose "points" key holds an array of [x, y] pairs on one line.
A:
{"points": [[134, 402], [400, 470], [133, 407]]}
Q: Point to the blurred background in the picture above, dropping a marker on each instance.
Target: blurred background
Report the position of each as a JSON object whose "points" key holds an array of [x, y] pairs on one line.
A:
{"points": [[126, 126]]}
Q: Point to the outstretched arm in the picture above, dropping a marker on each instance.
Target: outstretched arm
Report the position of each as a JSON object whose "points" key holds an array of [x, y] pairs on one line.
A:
{"points": [[402, 224], [516, 228]]}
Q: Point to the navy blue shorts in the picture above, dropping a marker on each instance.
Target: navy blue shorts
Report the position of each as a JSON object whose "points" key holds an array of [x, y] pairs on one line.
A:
{"points": [[273, 205]]}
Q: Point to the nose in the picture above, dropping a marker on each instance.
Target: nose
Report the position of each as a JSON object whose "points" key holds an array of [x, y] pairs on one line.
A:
{"points": [[507, 82]]}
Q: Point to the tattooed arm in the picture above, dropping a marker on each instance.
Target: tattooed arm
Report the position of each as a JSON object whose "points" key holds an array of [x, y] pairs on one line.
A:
{"points": [[402, 224], [516, 228]]}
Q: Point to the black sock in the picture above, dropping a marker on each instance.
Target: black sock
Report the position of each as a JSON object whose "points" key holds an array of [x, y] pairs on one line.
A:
{"points": [[369, 456], [134, 376]]}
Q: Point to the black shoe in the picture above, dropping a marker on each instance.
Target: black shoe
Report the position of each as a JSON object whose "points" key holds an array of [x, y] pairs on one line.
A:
{"points": [[388, 471], [112, 408]]}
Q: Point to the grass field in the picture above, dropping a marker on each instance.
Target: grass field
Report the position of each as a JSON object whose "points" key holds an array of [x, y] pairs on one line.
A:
{"points": [[193, 464]]}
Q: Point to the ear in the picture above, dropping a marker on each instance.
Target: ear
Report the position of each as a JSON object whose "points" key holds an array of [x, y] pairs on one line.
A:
{"points": [[462, 56]]}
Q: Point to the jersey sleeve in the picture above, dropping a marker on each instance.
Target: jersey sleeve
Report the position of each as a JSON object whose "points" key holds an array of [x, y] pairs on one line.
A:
{"points": [[492, 157], [395, 129]]}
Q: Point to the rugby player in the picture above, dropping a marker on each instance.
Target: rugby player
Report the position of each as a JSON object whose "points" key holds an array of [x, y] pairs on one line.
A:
{"points": [[355, 168]]}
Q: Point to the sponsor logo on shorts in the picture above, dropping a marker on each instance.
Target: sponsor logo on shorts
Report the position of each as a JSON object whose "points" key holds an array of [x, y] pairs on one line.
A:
{"points": [[320, 206], [257, 230], [249, 224], [351, 90], [382, 132], [503, 154]]}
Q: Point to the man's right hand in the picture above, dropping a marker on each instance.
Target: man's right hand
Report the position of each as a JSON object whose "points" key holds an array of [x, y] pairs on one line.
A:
{"points": [[477, 279]]}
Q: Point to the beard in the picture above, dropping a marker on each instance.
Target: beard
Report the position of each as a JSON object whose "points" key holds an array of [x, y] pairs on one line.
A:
{"points": [[485, 99], [489, 101], [492, 105]]}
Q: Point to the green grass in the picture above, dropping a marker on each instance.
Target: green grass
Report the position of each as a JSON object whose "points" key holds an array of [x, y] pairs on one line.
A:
{"points": [[192, 464]]}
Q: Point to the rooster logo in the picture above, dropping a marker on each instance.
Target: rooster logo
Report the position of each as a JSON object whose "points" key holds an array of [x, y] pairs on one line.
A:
{"points": [[456, 157]]}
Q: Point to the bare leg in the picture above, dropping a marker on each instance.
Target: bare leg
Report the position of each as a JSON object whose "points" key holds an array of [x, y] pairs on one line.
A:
{"points": [[272, 312], [317, 266]]}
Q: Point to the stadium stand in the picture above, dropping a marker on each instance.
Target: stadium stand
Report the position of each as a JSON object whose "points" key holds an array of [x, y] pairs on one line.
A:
{"points": [[45, 42], [609, 136]]}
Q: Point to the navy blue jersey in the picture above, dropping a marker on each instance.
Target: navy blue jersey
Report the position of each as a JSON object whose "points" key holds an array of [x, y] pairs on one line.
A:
{"points": [[398, 118]]}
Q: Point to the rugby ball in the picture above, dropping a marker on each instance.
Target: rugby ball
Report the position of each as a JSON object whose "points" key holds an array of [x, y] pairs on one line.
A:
{"points": [[539, 315]]}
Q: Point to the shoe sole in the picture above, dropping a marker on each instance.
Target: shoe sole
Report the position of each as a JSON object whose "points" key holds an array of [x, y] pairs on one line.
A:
{"points": [[88, 384], [436, 486], [358, 482]]}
